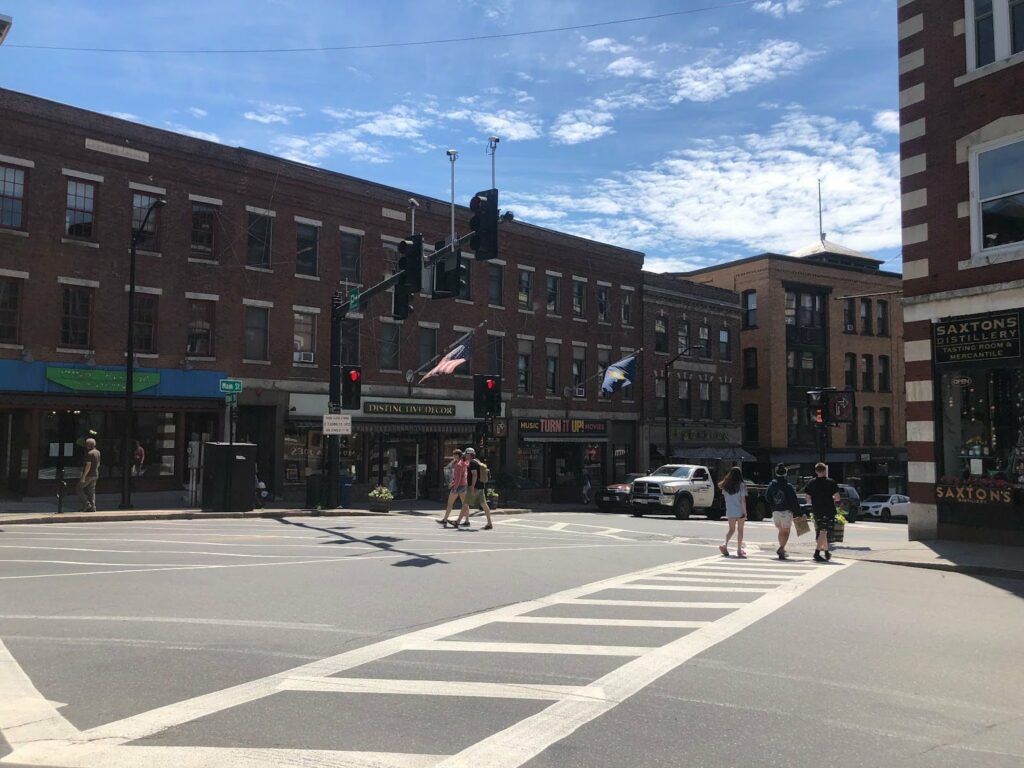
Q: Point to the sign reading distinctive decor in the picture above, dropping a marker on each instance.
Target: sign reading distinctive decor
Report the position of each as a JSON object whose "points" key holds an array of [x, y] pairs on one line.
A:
{"points": [[562, 427], [409, 409], [993, 336], [94, 380], [973, 494]]}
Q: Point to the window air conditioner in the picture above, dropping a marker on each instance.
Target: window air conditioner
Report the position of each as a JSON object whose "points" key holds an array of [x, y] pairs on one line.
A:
{"points": [[304, 357]]}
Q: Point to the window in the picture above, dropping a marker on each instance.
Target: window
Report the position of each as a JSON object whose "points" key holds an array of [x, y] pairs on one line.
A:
{"points": [[705, 399], [554, 353], [349, 342], [659, 384], [627, 307], [849, 318], [10, 295], [724, 345], [466, 281], [1016, 26], [428, 345], [704, 341], [869, 425], [389, 360], [984, 33], [685, 398], [204, 221], [525, 289], [199, 340], [603, 361], [853, 430], [683, 337], [867, 373], [496, 354], [76, 322], [995, 31], [351, 247], [257, 333], [553, 285], [146, 236], [496, 284], [811, 310], [790, 308], [751, 425], [885, 426], [999, 179], [791, 368], [78, 219], [661, 334], [750, 309], [579, 298], [725, 400], [882, 318], [523, 365], [12, 196], [144, 327], [850, 371], [390, 259], [307, 249], [750, 367], [811, 372], [884, 376], [260, 230], [304, 338], [603, 304], [865, 317], [579, 371]]}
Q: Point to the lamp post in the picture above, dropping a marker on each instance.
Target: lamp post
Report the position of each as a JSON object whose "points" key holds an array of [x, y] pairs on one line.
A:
{"points": [[668, 445], [129, 378]]}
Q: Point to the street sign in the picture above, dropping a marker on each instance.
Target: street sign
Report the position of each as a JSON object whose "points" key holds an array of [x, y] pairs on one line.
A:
{"points": [[231, 398], [231, 385], [337, 424], [353, 300]]}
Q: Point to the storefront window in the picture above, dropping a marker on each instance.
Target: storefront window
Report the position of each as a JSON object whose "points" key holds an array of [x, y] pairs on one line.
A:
{"points": [[530, 458], [303, 452]]}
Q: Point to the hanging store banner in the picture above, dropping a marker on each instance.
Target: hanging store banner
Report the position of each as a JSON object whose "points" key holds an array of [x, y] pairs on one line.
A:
{"points": [[562, 427], [978, 338], [98, 380]]}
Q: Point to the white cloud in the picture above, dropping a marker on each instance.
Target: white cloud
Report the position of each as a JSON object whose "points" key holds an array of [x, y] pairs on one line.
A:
{"points": [[605, 45], [124, 116], [204, 135], [197, 112], [581, 125], [888, 121], [629, 66], [509, 124], [313, 150], [274, 113], [779, 8], [707, 81]]}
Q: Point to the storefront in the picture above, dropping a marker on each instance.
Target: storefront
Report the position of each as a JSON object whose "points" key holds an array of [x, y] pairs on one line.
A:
{"points": [[979, 384], [49, 410], [717, 448]]}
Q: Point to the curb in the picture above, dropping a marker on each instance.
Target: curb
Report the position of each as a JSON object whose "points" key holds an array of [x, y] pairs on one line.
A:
{"points": [[968, 570]]}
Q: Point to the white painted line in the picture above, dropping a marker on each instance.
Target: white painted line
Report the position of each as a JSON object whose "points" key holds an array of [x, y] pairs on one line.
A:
{"points": [[175, 620], [655, 603], [741, 575], [686, 588], [607, 622], [467, 646], [430, 688], [521, 742], [714, 580], [558, 527], [25, 714]]}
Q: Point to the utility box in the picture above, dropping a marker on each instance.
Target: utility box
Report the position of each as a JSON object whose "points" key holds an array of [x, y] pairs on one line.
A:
{"points": [[229, 477]]}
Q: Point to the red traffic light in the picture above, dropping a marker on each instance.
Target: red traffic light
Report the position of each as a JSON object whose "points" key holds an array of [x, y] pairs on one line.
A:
{"points": [[355, 375], [491, 383], [819, 416]]}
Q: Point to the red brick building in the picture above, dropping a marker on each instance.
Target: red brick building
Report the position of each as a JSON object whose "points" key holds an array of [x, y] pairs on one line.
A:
{"points": [[961, 94], [235, 277]]}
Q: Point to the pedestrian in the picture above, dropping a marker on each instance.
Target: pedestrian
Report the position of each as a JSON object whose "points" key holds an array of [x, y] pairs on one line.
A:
{"points": [[781, 496], [476, 493], [456, 486], [735, 492], [587, 488], [90, 473], [824, 493], [138, 459]]}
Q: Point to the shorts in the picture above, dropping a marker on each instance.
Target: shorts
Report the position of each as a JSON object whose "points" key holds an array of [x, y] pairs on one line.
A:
{"points": [[782, 518], [824, 523], [475, 497], [459, 490], [737, 515]]}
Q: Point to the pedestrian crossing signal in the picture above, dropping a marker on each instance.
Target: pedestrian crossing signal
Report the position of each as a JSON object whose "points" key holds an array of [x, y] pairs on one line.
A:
{"points": [[486, 396], [351, 387]]}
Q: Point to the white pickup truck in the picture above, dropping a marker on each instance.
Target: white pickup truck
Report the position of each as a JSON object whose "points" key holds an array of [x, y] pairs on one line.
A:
{"points": [[678, 488]]}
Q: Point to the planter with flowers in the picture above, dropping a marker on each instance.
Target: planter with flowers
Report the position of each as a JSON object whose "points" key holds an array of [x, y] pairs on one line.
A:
{"points": [[380, 499], [492, 497], [838, 532]]}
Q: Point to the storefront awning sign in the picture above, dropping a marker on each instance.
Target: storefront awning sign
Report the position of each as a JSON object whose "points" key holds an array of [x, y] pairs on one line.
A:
{"points": [[562, 427], [93, 380], [978, 338]]}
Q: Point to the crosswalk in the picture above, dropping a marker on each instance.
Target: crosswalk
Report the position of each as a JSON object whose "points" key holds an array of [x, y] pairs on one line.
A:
{"points": [[644, 623]]}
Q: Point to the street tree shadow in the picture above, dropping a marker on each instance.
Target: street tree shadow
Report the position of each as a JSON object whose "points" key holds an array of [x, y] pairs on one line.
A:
{"points": [[381, 543]]}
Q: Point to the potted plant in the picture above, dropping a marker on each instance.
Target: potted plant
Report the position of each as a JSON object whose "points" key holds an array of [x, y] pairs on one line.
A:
{"points": [[839, 529], [380, 499], [492, 497]]}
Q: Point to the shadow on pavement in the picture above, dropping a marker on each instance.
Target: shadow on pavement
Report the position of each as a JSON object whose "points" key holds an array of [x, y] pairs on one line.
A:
{"points": [[382, 543]]}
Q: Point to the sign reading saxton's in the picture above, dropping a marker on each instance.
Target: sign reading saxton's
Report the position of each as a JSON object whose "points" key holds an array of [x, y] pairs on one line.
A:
{"points": [[976, 338], [562, 426]]}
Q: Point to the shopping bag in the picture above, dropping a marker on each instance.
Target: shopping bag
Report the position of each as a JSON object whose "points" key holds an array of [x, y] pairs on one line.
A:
{"points": [[801, 525]]}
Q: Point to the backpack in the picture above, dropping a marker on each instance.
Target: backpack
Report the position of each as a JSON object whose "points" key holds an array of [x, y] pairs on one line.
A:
{"points": [[485, 474], [776, 495]]}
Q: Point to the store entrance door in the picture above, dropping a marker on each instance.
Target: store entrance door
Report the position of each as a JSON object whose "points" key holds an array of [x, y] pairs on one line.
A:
{"points": [[14, 450], [407, 461], [565, 468]]}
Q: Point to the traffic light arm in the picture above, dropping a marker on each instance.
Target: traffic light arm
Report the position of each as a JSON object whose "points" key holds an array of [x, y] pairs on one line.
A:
{"points": [[440, 253]]}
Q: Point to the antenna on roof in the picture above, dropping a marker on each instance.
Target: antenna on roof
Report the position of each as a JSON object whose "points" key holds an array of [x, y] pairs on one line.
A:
{"points": [[821, 227]]}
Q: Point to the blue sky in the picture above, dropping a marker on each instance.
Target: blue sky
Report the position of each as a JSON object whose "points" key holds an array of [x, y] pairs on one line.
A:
{"points": [[696, 138]]}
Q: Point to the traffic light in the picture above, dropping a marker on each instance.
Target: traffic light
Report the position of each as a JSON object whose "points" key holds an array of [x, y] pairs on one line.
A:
{"points": [[816, 407], [449, 276], [484, 224], [486, 396], [410, 265], [351, 387]]}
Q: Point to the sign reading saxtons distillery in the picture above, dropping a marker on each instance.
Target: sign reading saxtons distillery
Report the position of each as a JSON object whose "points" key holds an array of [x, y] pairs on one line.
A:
{"points": [[409, 409], [993, 336], [562, 426]]}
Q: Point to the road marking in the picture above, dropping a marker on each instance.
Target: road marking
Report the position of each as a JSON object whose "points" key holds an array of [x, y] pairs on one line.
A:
{"points": [[430, 688], [654, 603], [175, 620], [25, 714], [221, 757], [558, 527], [688, 588], [464, 646], [720, 579], [607, 622]]}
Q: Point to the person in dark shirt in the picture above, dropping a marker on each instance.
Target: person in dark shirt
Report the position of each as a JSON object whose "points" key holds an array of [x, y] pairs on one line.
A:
{"points": [[824, 493]]}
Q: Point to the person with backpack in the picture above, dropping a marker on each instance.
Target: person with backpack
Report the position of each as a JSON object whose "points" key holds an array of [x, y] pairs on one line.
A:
{"points": [[782, 500], [477, 476]]}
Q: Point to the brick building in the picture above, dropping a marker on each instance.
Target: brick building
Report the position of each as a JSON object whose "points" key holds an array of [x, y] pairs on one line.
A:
{"points": [[822, 317], [961, 95], [690, 363], [235, 277]]}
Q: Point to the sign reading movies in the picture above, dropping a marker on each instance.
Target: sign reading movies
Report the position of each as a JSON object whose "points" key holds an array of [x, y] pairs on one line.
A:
{"points": [[978, 338]]}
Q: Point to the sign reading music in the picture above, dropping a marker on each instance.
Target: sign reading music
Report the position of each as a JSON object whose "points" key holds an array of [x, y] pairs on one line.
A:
{"points": [[992, 336], [562, 427]]}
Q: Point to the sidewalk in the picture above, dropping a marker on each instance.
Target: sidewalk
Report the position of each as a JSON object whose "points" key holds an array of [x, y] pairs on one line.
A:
{"points": [[991, 560]]}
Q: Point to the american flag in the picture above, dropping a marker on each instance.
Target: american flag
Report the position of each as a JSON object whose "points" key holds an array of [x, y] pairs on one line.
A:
{"points": [[458, 355]]}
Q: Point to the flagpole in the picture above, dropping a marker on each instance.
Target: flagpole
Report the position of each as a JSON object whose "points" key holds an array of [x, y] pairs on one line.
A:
{"points": [[449, 348]]}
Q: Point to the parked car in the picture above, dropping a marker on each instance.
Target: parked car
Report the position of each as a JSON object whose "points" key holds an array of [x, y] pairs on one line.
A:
{"points": [[677, 489], [614, 497], [886, 506]]}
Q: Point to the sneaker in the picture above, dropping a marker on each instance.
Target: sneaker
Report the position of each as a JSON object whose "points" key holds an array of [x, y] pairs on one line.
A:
{"points": [[465, 524], [488, 527], [818, 557], [441, 521], [724, 550], [828, 555], [781, 553]]}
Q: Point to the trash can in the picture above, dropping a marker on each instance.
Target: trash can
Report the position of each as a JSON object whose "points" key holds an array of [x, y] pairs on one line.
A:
{"points": [[315, 488], [229, 477], [345, 491]]}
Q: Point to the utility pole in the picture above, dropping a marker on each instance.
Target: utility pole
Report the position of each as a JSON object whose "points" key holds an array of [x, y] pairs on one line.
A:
{"points": [[453, 155], [334, 398], [492, 149]]}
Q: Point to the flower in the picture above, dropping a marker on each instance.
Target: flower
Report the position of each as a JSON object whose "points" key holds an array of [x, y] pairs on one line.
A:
{"points": [[381, 493]]}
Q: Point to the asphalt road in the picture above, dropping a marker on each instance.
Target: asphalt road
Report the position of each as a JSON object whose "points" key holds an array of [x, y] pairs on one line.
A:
{"points": [[554, 640]]}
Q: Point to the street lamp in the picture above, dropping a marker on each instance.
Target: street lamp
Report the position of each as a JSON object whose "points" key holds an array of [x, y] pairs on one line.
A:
{"points": [[129, 378]]}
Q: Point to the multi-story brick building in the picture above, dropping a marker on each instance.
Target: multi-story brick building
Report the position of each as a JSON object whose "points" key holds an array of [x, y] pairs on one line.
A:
{"points": [[961, 95], [235, 276], [691, 365], [822, 317]]}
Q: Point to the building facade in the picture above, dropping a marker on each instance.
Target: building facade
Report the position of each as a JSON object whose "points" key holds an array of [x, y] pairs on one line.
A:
{"points": [[234, 279], [823, 317], [690, 373], [961, 94]]}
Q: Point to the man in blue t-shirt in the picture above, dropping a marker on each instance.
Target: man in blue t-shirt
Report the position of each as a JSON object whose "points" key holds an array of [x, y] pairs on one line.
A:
{"points": [[824, 493], [782, 500]]}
